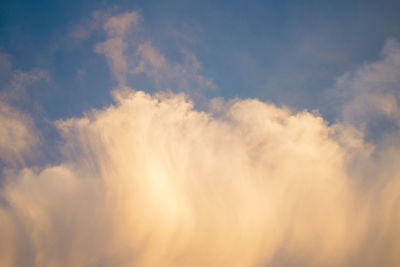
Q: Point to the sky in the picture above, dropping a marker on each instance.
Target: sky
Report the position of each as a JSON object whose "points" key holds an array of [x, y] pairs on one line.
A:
{"points": [[200, 133]]}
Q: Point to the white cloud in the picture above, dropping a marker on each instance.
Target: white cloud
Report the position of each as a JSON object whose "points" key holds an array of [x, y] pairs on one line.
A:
{"points": [[152, 182], [114, 50], [120, 25], [128, 54], [20, 81], [372, 92], [18, 136], [165, 74], [117, 27]]}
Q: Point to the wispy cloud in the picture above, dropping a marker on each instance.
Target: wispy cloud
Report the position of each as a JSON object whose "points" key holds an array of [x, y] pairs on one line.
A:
{"points": [[369, 96], [144, 58], [18, 134], [84, 29], [114, 47]]}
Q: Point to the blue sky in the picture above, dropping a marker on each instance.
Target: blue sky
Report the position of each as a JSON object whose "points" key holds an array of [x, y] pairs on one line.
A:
{"points": [[287, 52]]}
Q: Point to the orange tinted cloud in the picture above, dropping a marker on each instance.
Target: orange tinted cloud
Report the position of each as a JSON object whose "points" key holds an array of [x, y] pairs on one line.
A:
{"points": [[150, 181]]}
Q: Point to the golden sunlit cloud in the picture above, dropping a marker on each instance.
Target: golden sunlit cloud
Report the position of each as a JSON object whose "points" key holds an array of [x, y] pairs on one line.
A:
{"points": [[150, 181]]}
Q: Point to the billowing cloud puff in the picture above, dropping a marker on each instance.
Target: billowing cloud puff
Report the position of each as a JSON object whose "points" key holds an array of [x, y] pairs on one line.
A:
{"points": [[150, 181]]}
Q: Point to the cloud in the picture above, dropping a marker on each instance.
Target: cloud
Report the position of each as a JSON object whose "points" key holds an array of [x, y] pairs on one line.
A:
{"points": [[84, 29], [18, 136], [165, 74], [17, 87], [150, 181], [114, 47], [129, 54], [114, 50], [369, 96], [119, 25]]}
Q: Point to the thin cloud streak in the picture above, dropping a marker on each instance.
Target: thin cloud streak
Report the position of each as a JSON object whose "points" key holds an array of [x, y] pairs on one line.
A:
{"points": [[128, 55]]}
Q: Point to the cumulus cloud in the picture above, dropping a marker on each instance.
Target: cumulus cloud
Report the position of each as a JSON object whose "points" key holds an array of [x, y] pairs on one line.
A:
{"points": [[151, 181]]}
